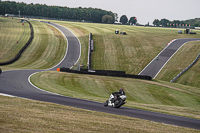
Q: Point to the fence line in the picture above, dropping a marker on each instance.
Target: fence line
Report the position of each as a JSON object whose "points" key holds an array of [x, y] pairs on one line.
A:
{"points": [[181, 73]]}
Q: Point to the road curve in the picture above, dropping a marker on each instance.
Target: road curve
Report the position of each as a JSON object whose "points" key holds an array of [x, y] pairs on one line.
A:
{"points": [[155, 66], [16, 83], [73, 50]]}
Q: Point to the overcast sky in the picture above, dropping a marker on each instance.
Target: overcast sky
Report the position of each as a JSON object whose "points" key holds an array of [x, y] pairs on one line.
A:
{"points": [[145, 10]]}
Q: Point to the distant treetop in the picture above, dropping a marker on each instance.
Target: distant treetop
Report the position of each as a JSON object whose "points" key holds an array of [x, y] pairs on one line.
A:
{"points": [[177, 23], [79, 13], [123, 19]]}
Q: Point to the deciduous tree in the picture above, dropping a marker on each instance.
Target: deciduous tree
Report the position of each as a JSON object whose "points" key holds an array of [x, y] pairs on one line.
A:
{"points": [[123, 19], [107, 19], [156, 22], [133, 20]]}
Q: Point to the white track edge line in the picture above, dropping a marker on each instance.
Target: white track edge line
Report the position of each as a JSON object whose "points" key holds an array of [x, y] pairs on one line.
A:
{"points": [[171, 57], [158, 55]]}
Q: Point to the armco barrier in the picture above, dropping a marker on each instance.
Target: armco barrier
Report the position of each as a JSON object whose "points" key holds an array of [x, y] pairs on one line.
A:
{"points": [[91, 45], [23, 48], [105, 73], [181, 73], [89, 52]]}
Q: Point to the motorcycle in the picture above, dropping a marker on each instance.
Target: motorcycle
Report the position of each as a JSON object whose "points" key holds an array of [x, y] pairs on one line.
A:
{"points": [[116, 102]]}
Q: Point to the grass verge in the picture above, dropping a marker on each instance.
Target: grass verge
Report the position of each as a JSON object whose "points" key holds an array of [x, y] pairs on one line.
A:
{"points": [[21, 115], [148, 95]]}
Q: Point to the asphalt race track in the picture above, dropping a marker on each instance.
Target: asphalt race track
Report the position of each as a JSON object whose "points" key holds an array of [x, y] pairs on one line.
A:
{"points": [[155, 66], [16, 83]]}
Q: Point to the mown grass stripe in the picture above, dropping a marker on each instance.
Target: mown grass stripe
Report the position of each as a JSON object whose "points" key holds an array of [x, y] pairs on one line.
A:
{"points": [[40, 54], [11, 31]]}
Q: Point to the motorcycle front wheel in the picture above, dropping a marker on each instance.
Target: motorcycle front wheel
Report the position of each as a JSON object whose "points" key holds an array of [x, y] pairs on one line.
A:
{"points": [[106, 103]]}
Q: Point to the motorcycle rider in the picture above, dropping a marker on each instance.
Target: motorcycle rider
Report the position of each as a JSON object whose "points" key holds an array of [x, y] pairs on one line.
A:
{"points": [[116, 98], [121, 91], [117, 94]]}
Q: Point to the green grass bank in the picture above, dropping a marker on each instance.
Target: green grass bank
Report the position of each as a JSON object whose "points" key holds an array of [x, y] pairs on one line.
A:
{"points": [[13, 37], [186, 55], [46, 50], [148, 95], [22, 116], [130, 53]]}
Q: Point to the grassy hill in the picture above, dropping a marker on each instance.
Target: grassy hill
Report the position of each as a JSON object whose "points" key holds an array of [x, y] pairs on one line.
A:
{"points": [[129, 53], [132, 52], [22, 116], [13, 37], [46, 50], [161, 97]]}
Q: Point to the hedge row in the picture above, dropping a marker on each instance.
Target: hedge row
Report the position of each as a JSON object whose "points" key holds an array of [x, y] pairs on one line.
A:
{"points": [[23, 48]]}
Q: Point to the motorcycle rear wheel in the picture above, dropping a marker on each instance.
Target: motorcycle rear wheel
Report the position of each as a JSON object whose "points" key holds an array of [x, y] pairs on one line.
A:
{"points": [[119, 104]]}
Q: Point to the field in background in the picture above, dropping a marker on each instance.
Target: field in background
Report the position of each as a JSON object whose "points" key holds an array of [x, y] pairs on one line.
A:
{"points": [[13, 37], [130, 53], [46, 50]]}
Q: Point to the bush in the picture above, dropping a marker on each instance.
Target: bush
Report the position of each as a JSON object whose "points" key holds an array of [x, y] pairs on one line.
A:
{"points": [[107, 19]]}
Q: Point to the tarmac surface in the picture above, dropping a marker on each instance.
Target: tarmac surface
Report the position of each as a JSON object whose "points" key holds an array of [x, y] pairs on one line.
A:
{"points": [[156, 65], [17, 83]]}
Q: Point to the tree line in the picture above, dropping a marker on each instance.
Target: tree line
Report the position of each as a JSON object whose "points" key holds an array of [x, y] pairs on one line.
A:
{"points": [[177, 23], [89, 14]]}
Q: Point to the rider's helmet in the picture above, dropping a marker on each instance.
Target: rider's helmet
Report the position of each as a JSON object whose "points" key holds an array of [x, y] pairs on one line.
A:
{"points": [[121, 91]]}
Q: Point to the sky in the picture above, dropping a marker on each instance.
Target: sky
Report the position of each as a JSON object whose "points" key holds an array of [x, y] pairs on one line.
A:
{"points": [[145, 10]]}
